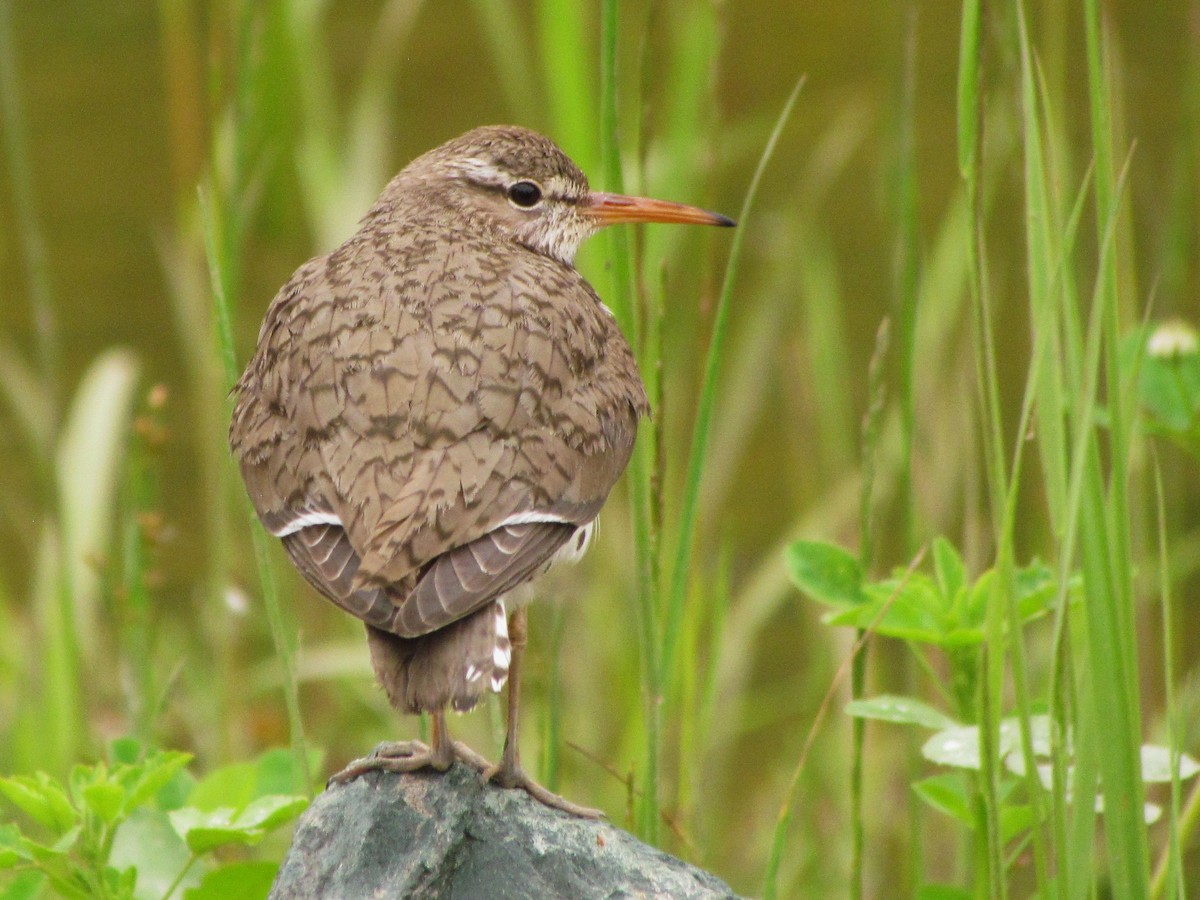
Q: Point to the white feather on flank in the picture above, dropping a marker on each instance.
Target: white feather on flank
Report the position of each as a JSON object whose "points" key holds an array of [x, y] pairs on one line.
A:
{"points": [[530, 517], [304, 520], [577, 545], [502, 649], [573, 549]]}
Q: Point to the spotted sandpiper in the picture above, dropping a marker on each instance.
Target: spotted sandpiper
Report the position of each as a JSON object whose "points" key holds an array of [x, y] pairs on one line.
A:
{"points": [[435, 413]]}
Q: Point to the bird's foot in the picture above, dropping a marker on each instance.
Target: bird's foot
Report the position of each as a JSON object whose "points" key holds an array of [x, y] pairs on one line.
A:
{"points": [[513, 776], [410, 756]]}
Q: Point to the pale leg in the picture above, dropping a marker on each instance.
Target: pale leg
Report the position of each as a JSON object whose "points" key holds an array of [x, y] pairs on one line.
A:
{"points": [[508, 773]]}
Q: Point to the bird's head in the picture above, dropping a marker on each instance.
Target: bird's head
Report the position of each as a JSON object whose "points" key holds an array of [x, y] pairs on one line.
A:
{"points": [[517, 184]]}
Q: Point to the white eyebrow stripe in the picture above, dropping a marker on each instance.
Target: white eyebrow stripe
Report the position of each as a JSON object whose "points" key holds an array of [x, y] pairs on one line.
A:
{"points": [[484, 172], [481, 170]]}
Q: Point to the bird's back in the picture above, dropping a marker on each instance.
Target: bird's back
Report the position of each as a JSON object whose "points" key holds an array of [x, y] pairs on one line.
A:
{"points": [[416, 391]]}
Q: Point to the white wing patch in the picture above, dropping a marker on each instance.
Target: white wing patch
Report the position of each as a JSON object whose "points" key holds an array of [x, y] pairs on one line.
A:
{"points": [[304, 520], [528, 518]]}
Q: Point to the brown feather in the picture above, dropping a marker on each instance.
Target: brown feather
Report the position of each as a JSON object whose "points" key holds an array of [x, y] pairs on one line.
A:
{"points": [[454, 666], [439, 376]]}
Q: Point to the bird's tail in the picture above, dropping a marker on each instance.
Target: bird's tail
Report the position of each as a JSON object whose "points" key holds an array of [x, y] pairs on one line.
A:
{"points": [[452, 666]]}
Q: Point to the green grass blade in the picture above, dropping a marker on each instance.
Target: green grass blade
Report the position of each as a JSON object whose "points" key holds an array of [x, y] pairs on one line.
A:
{"points": [[681, 570], [642, 465], [907, 282], [280, 634], [30, 401], [969, 107], [872, 421], [1105, 536], [89, 461], [1168, 873], [66, 585], [568, 73], [48, 728]]}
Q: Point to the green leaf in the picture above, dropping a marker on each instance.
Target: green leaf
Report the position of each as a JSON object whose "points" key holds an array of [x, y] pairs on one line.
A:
{"points": [[1015, 819], [60, 849], [949, 568], [902, 710], [146, 842], [121, 882], [237, 881], [81, 777], [156, 771], [205, 830], [975, 612], [1039, 739], [41, 799], [1036, 588], [826, 572], [276, 773], [947, 793], [229, 787], [911, 609], [174, 794], [125, 751], [53, 864], [917, 606], [1169, 383], [106, 799], [12, 846], [24, 886], [267, 813], [58, 866], [959, 746]]}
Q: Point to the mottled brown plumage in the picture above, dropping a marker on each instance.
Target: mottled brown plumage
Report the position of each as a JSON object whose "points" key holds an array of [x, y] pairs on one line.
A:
{"points": [[437, 410]]}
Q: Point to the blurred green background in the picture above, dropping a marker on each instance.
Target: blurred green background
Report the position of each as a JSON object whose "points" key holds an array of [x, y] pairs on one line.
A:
{"points": [[292, 115]]}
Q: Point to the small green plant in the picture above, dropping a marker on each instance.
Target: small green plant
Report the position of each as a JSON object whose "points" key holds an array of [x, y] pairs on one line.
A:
{"points": [[957, 745], [944, 611], [139, 827], [1169, 381], [948, 611]]}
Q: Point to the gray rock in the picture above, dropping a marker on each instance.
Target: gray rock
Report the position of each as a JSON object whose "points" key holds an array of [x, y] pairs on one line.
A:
{"points": [[430, 835]]}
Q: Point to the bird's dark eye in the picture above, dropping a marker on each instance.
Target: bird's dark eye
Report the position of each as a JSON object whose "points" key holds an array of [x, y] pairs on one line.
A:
{"points": [[525, 194]]}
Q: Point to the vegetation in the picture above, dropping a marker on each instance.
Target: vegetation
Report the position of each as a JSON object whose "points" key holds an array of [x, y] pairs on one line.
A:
{"points": [[893, 600]]}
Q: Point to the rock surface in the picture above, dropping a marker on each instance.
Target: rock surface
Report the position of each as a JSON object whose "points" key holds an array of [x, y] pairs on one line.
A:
{"points": [[429, 835]]}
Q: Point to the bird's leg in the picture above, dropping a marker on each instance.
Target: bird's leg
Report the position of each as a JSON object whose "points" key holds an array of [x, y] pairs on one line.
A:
{"points": [[508, 773], [409, 756]]}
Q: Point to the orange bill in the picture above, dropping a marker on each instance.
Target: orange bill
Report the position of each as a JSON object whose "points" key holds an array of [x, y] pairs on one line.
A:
{"points": [[613, 209]]}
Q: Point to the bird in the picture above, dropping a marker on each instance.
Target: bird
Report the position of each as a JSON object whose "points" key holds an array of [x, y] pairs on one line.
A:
{"points": [[434, 414]]}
